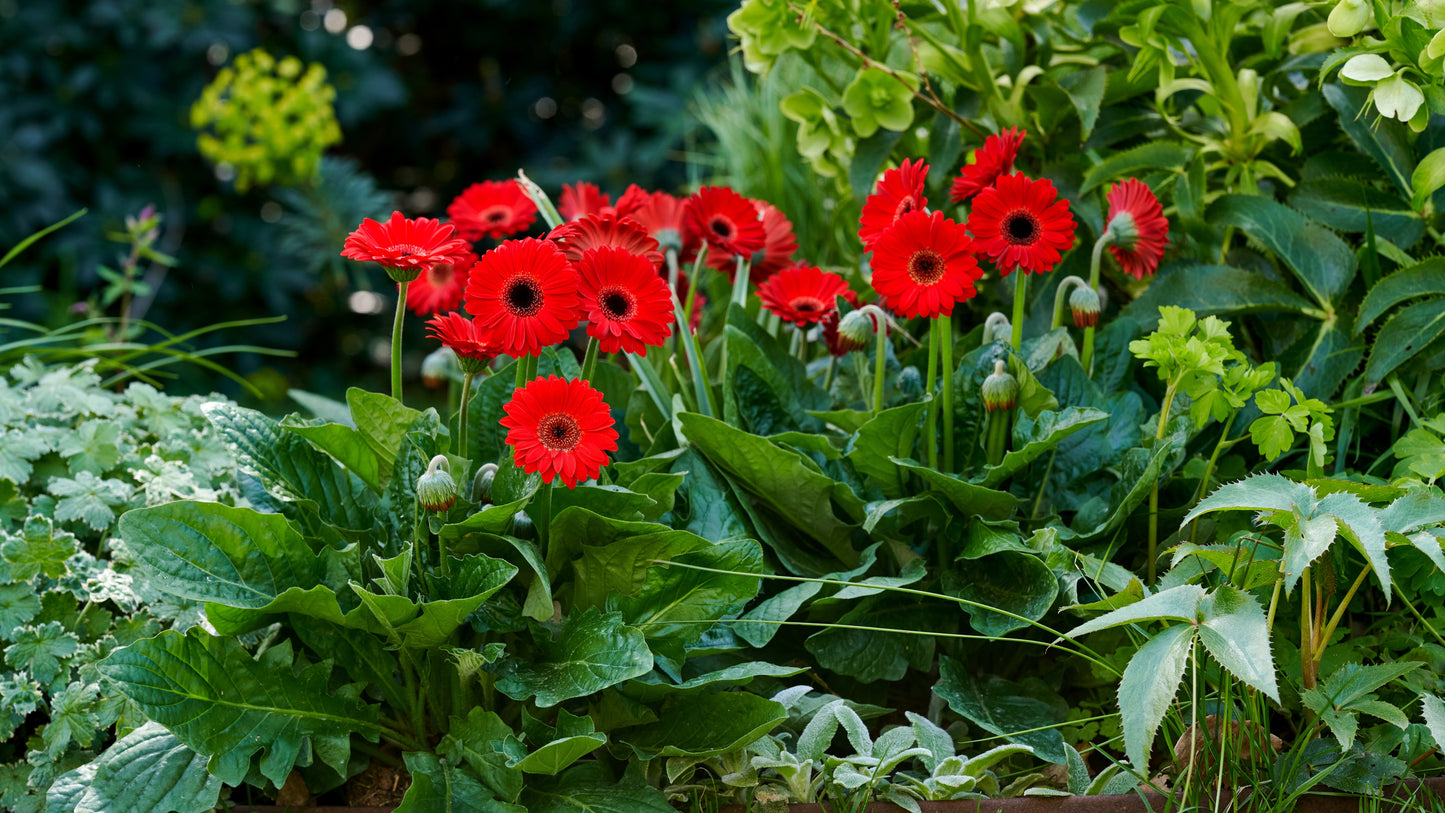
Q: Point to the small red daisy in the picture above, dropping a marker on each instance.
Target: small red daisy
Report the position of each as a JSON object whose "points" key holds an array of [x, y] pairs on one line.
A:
{"points": [[1140, 229], [583, 199], [727, 221], [663, 216], [900, 191], [625, 302], [1021, 223], [523, 293], [406, 246], [469, 342], [996, 157], [493, 209], [439, 288], [924, 264], [803, 294], [593, 231], [559, 428]]}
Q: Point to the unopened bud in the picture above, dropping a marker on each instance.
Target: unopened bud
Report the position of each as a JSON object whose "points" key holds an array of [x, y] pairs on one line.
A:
{"points": [[437, 366], [522, 527], [1000, 389], [1349, 17], [482, 484], [436, 489], [854, 331], [910, 382], [1084, 304]]}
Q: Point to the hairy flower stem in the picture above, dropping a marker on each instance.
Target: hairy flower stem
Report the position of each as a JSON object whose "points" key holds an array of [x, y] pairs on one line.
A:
{"points": [[1061, 295], [1086, 356], [462, 417], [740, 283], [930, 432], [860, 372], [998, 426], [880, 365], [832, 371], [542, 519], [1021, 291], [945, 326], [589, 359], [1154, 492], [396, 340]]}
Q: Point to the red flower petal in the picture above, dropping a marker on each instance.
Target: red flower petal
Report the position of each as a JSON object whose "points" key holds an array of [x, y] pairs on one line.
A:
{"points": [[625, 302], [493, 209], [1020, 223], [996, 157], [804, 294], [402, 243], [1134, 197], [523, 293], [900, 191], [923, 265], [559, 428]]}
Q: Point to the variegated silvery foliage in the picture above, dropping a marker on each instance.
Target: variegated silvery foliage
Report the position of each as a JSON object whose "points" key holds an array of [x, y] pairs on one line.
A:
{"points": [[73, 457]]}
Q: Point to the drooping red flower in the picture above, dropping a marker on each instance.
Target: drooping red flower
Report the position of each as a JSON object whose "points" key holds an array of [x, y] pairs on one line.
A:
{"points": [[779, 245], [593, 231], [583, 199], [1139, 227], [625, 302], [663, 216], [899, 192], [996, 157], [559, 428], [493, 209], [464, 337], [923, 264], [523, 293], [804, 294], [440, 287], [727, 221], [400, 243], [1021, 223]]}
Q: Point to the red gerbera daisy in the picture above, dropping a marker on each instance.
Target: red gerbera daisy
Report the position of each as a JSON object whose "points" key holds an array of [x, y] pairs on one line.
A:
{"points": [[407, 246], [924, 264], [583, 199], [900, 191], [523, 293], [779, 244], [594, 231], [625, 302], [727, 221], [1138, 227], [803, 294], [994, 158], [471, 344], [663, 216], [559, 428], [1021, 223], [493, 209], [439, 288]]}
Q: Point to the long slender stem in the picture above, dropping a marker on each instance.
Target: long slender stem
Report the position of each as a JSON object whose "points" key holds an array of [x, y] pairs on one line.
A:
{"points": [[462, 416], [832, 371], [1021, 290], [1340, 612], [693, 283], [997, 435], [396, 340], [930, 433], [740, 282], [1086, 357], [1061, 294], [1306, 632], [945, 325], [880, 366], [700, 382], [1154, 492], [589, 359], [1209, 468]]}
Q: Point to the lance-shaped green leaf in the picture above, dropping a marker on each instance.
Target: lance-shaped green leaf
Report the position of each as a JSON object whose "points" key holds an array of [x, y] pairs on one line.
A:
{"points": [[652, 686], [1154, 155], [441, 786], [1404, 335], [704, 725], [146, 771], [887, 435], [573, 738], [1321, 261], [1384, 141], [1349, 204], [1179, 603], [1233, 628], [1216, 289], [224, 704], [1412, 512], [1150, 681], [593, 651], [1033, 437], [1262, 492], [344, 443], [969, 498], [1360, 525]]}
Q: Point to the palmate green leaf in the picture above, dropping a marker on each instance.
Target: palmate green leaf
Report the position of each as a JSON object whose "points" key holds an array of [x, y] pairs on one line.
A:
{"points": [[704, 725], [72, 718], [1215, 289], [1148, 687], [89, 499], [1034, 437], [1321, 261], [38, 549], [146, 771], [1406, 333], [440, 786], [999, 707], [1425, 278], [219, 701], [41, 649], [1153, 155], [1233, 628], [1305, 540], [1261, 492], [593, 651], [1348, 204], [888, 434], [672, 600], [18, 604], [590, 788], [1016, 582]]}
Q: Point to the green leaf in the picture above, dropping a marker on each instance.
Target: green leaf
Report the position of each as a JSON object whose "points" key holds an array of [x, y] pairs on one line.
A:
{"points": [[1350, 204], [382, 422], [878, 653], [39, 650], [875, 99], [1261, 492], [1404, 335], [72, 718], [38, 549], [1016, 582], [1033, 437], [1360, 524], [477, 740], [1433, 712], [1148, 687], [704, 725], [17, 450], [88, 499], [588, 788], [439, 786], [1234, 630], [18, 604], [1140, 469], [1153, 155], [1425, 278], [673, 600], [998, 707], [146, 771], [1383, 141], [968, 498], [1321, 261], [650, 688], [886, 435], [868, 158], [344, 443], [1429, 176], [553, 757], [622, 565], [94, 447], [1180, 603], [1305, 540], [220, 702], [593, 651], [1086, 93]]}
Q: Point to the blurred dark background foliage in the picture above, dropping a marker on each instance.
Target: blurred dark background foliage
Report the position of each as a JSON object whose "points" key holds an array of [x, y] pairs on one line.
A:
{"points": [[431, 96]]}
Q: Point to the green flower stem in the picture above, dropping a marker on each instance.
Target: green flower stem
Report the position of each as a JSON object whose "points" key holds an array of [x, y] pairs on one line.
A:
{"points": [[930, 431], [700, 382], [795, 346], [694, 283], [1021, 292], [832, 371], [673, 273], [1340, 611], [1086, 356], [1154, 492], [994, 323], [998, 426], [1060, 295], [740, 283], [542, 520], [462, 416], [1223, 443], [540, 200], [881, 365], [521, 372], [945, 328], [396, 340], [532, 364], [589, 360], [860, 372]]}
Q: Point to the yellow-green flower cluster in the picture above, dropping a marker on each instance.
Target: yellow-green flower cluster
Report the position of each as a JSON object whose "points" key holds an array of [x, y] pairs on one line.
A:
{"points": [[270, 120]]}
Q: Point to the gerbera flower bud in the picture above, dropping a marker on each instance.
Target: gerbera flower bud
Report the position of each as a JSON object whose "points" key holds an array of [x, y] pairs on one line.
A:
{"points": [[436, 489], [522, 527], [1138, 231], [855, 331], [1000, 389], [482, 484], [437, 366], [1084, 304], [910, 382]]}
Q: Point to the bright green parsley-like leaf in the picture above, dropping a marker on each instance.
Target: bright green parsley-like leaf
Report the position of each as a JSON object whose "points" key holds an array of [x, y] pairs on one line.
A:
{"points": [[89, 499], [39, 650]]}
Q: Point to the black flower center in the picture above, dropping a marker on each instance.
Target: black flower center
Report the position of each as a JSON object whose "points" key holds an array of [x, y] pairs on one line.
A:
{"points": [[616, 304], [523, 297], [1021, 228], [925, 267], [559, 432], [497, 214], [808, 304], [722, 228]]}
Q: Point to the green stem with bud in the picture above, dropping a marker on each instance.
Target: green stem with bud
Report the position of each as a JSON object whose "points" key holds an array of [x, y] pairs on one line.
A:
{"points": [[1060, 295], [1086, 356], [945, 324], [462, 415], [1021, 290], [400, 317], [930, 434], [998, 422], [992, 325]]}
